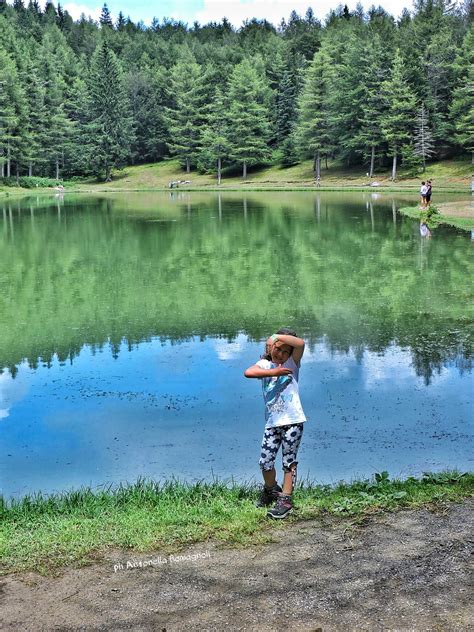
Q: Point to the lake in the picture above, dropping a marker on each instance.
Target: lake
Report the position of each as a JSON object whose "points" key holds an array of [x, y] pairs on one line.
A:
{"points": [[127, 320]]}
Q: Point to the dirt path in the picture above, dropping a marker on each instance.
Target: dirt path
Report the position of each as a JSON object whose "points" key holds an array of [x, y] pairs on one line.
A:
{"points": [[401, 571], [457, 209]]}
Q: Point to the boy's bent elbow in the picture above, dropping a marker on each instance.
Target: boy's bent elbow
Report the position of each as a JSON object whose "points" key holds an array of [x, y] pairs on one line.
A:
{"points": [[252, 372]]}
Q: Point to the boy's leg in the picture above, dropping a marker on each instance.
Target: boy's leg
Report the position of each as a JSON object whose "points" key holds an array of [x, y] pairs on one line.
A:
{"points": [[291, 440], [269, 476], [291, 443], [271, 442]]}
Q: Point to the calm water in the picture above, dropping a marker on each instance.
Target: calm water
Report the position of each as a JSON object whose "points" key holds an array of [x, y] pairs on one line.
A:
{"points": [[126, 323]]}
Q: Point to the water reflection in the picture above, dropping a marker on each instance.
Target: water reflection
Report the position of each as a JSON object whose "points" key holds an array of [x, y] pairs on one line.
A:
{"points": [[115, 268]]}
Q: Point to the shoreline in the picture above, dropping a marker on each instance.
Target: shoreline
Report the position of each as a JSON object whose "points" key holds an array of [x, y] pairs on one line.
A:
{"points": [[102, 188], [47, 533], [445, 216]]}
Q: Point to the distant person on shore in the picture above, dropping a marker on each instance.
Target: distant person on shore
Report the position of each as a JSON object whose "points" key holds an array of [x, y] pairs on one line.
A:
{"points": [[423, 191], [284, 417], [429, 189]]}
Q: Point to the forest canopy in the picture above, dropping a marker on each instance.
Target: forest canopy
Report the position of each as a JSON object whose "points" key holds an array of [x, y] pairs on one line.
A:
{"points": [[79, 98]]}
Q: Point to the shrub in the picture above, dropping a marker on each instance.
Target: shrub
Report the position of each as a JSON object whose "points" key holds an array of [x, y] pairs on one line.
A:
{"points": [[28, 182]]}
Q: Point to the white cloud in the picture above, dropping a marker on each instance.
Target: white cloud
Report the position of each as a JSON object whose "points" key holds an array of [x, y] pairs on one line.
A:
{"points": [[11, 390], [76, 10], [274, 10], [230, 350]]}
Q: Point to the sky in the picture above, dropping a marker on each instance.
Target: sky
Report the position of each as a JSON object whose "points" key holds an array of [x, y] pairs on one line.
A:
{"points": [[204, 11]]}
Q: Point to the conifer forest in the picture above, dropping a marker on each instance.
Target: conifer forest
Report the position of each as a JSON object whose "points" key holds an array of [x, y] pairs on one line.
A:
{"points": [[80, 98]]}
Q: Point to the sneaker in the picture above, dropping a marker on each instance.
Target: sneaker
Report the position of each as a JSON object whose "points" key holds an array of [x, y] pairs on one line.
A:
{"points": [[268, 496], [282, 508]]}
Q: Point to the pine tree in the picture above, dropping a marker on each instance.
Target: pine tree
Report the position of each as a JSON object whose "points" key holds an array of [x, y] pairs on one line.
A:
{"points": [[109, 128], [215, 146], [63, 19], [248, 117], [8, 115], [49, 15], [121, 22], [19, 6], [35, 155], [313, 131], [398, 121], [423, 139], [34, 8], [146, 92], [285, 107], [13, 114], [57, 127], [77, 111], [186, 117], [462, 107], [105, 17], [369, 135]]}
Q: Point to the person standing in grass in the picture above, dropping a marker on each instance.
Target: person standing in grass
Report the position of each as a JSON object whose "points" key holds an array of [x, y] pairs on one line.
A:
{"points": [[429, 189], [284, 417], [423, 191]]}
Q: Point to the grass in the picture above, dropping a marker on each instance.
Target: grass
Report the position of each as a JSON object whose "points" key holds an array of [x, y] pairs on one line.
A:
{"points": [[447, 175], [44, 533], [441, 216]]}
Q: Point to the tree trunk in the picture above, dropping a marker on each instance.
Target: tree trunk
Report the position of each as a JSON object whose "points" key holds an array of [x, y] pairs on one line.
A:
{"points": [[57, 168], [107, 171], [394, 166], [219, 171], [244, 170], [30, 169], [318, 166], [8, 160], [372, 162], [188, 165]]}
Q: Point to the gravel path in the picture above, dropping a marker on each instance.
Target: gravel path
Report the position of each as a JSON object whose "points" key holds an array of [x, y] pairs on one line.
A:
{"points": [[402, 571]]}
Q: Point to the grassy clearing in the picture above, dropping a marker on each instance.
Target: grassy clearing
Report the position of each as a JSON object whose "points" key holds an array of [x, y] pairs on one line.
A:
{"points": [[453, 175], [447, 176], [442, 217], [45, 533]]}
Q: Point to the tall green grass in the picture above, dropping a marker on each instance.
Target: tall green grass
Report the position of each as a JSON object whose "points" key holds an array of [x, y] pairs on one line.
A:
{"points": [[44, 533]]}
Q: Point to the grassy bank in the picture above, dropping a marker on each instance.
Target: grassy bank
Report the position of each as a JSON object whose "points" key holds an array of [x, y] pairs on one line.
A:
{"points": [[46, 533], [450, 214], [447, 176]]}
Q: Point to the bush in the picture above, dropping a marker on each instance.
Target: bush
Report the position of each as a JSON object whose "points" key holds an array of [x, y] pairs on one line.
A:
{"points": [[28, 183]]}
